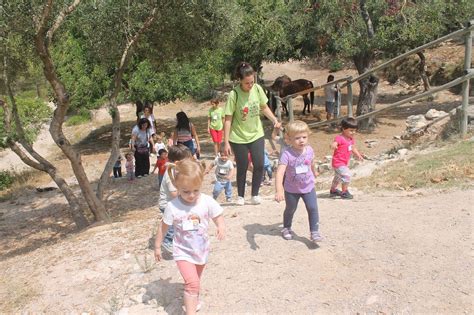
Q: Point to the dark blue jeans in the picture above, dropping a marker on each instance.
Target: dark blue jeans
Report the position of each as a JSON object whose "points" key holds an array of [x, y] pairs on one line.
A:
{"points": [[311, 203], [190, 145]]}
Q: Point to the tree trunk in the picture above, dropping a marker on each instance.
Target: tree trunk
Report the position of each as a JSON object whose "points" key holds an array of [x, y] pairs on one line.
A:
{"points": [[114, 111], [38, 91], [368, 90], [43, 165], [42, 40], [422, 69], [115, 150]]}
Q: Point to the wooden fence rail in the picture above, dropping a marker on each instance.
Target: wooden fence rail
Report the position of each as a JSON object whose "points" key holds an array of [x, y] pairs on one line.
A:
{"points": [[467, 32]]}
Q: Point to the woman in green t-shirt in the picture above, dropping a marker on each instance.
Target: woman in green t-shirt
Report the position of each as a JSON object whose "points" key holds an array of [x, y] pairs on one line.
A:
{"points": [[243, 130]]}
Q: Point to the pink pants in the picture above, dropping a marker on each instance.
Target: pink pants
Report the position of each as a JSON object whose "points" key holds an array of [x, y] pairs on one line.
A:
{"points": [[191, 274]]}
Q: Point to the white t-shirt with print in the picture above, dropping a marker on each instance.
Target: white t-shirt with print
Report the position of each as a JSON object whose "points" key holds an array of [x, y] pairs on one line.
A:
{"points": [[222, 169], [191, 222]]}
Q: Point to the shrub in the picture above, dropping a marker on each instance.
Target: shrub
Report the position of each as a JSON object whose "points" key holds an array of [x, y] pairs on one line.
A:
{"points": [[179, 78], [83, 116], [33, 114], [335, 65], [6, 180]]}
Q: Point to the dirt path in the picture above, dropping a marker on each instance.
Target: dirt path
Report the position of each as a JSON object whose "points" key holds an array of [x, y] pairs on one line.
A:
{"points": [[383, 253]]}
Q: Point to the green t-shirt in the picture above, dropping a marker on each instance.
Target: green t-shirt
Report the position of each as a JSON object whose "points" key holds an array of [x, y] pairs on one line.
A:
{"points": [[245, 110], [216, 115]]}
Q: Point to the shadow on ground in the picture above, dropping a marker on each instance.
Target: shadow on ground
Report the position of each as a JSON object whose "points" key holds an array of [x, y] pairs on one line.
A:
{"points": [[167, 294], [272, 230]]}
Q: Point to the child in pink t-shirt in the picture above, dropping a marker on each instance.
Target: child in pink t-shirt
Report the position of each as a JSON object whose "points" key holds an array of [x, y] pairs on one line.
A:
{"points": [[343, 146]]}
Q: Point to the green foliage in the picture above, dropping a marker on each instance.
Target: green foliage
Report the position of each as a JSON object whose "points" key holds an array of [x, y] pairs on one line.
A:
{"points": [[178, 78], [82, 116], [6, 180], [335, 65], [268, 31], [340, 29], [86, 82], [33, 113]]}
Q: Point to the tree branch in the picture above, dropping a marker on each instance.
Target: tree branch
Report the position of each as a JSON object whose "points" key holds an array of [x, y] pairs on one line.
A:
{"points": [[60, 19], [11, 143], [41, 27], [134, 40], [115, 152], [366, 17], [55, 129]]}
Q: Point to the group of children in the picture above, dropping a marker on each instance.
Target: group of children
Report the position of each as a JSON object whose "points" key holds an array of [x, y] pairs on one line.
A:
{"points": [[186, 211], [161, 159]]}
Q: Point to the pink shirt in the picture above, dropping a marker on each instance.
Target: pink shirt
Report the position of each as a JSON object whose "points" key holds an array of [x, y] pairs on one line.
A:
{"points": [[342, 154], [129, 166]]}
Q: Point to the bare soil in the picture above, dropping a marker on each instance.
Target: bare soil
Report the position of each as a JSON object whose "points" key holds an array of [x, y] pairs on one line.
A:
{"points": [[384, 252]]}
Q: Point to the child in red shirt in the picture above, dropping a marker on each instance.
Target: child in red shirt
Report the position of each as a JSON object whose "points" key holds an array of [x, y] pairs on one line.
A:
{"points": [[161, 165], [343, 146]]}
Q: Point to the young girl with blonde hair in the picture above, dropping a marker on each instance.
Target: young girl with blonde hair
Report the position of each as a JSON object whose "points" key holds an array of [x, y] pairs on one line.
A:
{"points": [[295, 179], [189, 214]]}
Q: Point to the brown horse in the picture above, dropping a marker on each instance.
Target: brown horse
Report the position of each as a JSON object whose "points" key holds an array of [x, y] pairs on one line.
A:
{"points": [[298, 86], [277, 86]]}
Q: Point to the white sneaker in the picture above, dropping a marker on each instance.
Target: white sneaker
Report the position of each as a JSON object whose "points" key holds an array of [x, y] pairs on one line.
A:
{"points": [[240, 201], [198, 307], [255, 200]]}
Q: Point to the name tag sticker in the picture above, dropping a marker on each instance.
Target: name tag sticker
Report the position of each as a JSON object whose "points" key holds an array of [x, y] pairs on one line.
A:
{"points": [[349, 148], [222, 171], [190, 225], [214, 117], [302, 169]]}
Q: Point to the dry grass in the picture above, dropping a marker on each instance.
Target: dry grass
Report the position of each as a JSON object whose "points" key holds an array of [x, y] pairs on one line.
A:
{"points": [[449, 167], [24, 179], [16, 295]]}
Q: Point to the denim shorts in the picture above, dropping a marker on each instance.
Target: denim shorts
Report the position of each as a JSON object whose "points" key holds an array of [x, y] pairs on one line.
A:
{"points": [[343, 174], [330, 107]]}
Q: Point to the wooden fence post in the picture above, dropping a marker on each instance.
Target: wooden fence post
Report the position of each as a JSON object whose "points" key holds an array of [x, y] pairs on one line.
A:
{"points": [[465, 85], [277, 107], [349, 97], [289, 104]]}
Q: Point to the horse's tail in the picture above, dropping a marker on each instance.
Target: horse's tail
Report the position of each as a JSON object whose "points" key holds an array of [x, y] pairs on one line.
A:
{"points": [[311, 95]]}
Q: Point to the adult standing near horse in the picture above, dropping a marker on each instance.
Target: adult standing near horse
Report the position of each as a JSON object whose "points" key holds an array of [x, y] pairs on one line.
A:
{"points": [[185, 132], [141, 143], [243, 130], [331, 94]]}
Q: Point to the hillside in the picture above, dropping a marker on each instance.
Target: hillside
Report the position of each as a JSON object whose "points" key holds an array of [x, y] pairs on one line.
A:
{"points": [[386, 251]]}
